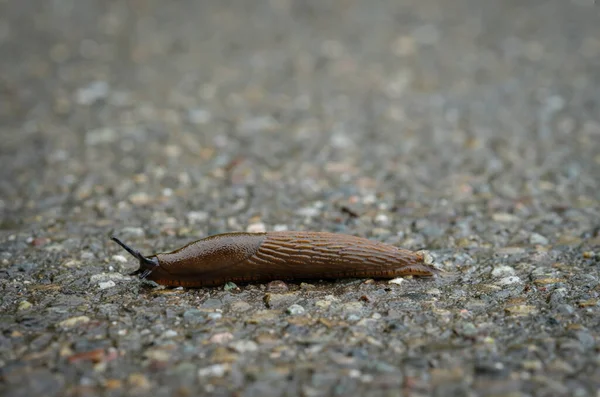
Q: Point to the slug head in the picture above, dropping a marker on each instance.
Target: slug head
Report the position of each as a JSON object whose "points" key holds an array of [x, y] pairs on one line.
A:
{"points": [[146, 264]]}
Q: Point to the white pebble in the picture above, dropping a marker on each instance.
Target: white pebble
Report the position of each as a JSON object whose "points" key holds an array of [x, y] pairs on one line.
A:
{"points": [[170, 333], [257, 227], [243, 346], [509, 280], [503, 270], [217, 370], [195, 217], [119, 258], [398, 281], [106, 284]]}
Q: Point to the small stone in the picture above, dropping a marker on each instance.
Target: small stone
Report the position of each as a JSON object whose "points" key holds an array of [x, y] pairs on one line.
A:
{"points": [[589, 254], [538, 239], [382, 220], [467, 329], [199, 116], [193, 316], [229, 286], [323, 304], [520, 310], [510, 251], [138, 380], [139, 198], [509, 280], [72, 263], [132, 232], [503, 270], [308, 212], [215, 316], [157, 354], [531, 365], [92, 92], [277, 286], [240, 306], [169, 333], [106, 284], [307, 286], [352, 307], [244, 346], [24, 305], [212, 303], [257, 227], [277, 301], [221, 338], [74, 321], [280, 228], [548, 281], [397, 281], [119, 258], [295, 310], [104, 277], [216, 370], [353, 317], [195, 217], [505, 217]]}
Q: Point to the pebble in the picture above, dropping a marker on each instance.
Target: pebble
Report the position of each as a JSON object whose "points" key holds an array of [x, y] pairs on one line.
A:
{"points": [[279, 301], [91, 93], [193, 316], [521, 310], [216, 370], [212, 303], [257, 227], [169, 333], [104, 277], [244, 346], [215, 316], [505, 217], [397, 281], [538, 239], [119, 258], [295, 310], [352, 307], [24, 305], [199, 116], [221, 338], [139, 198], [240, 306], [382, 220], [129, 232], [195, 217], [509, 280], [230, 286], [277, 286], [74, 321], [106, 284], [503, 270], [100, 136], [308, 212]]}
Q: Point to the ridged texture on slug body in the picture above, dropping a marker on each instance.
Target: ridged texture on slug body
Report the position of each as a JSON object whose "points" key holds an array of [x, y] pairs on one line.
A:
{"points": [[247, 257]]}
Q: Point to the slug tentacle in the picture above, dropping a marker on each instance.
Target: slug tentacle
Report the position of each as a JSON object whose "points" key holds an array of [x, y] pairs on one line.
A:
{"points": [[146, 264]]}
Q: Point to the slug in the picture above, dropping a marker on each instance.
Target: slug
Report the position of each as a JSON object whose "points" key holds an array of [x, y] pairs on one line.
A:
{"points": [[290, 256]]}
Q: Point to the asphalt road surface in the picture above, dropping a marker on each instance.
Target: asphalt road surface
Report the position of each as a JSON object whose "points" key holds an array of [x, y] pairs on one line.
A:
{"points": [[468, 128]]}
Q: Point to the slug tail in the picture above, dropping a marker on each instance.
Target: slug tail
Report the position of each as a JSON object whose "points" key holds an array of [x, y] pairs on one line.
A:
{"points": [[146, 264]]}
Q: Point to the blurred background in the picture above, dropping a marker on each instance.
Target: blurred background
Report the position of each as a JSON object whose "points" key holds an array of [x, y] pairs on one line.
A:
{"points": [[467, 127], [278, 110]]}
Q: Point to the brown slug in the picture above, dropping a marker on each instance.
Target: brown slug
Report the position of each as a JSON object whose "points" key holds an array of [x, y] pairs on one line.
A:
{"points": [[261, 257]]}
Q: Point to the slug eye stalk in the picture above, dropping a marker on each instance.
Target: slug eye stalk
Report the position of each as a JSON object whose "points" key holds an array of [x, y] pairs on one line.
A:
{"points": [[146, 264]]}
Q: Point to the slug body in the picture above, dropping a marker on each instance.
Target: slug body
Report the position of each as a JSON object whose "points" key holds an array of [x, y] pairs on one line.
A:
{"points": [[261, 257]]}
